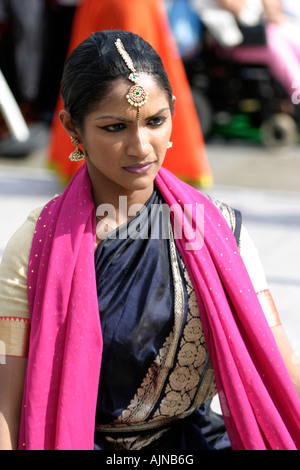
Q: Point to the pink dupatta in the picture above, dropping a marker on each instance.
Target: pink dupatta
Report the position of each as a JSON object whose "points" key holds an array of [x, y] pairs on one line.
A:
{"points": [[259, 403]]}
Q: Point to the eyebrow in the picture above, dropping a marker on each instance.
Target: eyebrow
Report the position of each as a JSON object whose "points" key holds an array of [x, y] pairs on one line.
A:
{"points": [[112, 117], [117, 118]]}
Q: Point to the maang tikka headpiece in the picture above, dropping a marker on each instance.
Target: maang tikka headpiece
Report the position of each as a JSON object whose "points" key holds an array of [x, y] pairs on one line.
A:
{"points": [[137, 96]]}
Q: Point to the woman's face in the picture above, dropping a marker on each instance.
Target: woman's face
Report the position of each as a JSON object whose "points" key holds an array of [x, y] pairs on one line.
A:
{"points": [[122, 153]]}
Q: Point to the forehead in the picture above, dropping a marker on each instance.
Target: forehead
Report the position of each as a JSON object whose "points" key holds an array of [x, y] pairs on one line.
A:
{"points": [[120, 88]]}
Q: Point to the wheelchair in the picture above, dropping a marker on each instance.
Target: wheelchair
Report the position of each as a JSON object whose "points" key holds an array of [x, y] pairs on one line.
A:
{"points": [[243, 101]]}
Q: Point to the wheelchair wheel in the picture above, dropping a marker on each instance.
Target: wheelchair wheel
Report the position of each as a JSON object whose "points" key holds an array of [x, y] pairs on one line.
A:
{"points": [[279, 131]]}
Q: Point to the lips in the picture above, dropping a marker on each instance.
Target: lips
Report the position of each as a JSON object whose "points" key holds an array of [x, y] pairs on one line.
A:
{"points": [[139, 168]]}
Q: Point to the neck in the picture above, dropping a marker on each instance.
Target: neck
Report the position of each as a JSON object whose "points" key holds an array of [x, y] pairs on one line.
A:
{"points": [[118, 203]]}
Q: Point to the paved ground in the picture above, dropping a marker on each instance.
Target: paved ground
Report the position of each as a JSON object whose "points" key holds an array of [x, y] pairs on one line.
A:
{"points": [[265, 185]]}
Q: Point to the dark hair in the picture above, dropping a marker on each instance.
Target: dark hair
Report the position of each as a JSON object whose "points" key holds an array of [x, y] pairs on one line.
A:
{"points": [[92, 67]]}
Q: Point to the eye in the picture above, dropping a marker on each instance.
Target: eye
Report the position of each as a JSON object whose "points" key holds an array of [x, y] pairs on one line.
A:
{"points": [[113, 127], [157, 121]]}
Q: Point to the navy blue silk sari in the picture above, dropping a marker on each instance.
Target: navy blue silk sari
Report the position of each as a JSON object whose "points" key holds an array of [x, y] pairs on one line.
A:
{"points": [[155, 373]]}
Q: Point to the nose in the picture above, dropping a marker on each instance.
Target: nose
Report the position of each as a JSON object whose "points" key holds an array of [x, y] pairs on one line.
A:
{"points": [[138, 144]]}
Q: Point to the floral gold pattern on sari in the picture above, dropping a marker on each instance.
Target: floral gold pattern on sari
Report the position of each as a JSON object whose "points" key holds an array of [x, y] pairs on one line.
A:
{"points": [[175, 384], [147, 395], [189, 384]]}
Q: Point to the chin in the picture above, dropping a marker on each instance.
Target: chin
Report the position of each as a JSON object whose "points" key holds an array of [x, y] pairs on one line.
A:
{"points": [[139, 184]]}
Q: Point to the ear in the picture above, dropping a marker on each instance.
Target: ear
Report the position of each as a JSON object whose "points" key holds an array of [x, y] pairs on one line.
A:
{"points": [[173, 105], [65, 119]]}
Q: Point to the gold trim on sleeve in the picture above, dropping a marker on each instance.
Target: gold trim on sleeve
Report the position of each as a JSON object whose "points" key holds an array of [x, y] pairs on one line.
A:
{"points": [[268, 305], [14, 336]]}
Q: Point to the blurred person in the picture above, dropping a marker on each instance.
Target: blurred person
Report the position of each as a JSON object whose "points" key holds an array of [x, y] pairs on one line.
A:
{"points": [[95, 15], [22, 50], [34, 37], [186, 27], [279, 51], [291, 8], [117, 332], [57, 29], [220, 20]]}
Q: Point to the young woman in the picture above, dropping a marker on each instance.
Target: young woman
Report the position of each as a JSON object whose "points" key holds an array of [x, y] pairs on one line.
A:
{"points": [[139, 304], [92, 15]]}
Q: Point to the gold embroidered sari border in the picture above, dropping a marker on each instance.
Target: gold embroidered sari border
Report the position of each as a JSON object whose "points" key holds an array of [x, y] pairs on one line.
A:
{"points": [[188, 382], [14, 336], [146, 397], [142, 426]]}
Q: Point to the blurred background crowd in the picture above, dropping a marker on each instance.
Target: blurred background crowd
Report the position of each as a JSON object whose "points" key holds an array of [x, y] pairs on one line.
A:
{"points": [[239, 60]]}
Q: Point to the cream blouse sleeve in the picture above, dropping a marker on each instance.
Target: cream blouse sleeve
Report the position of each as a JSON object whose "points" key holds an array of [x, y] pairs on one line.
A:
{"points": [[14, 312], [252, 261], [256, 272]]}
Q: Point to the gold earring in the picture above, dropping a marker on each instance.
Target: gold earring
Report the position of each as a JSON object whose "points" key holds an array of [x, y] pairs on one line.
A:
{"points": [[77, 155], [170, 145]]}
